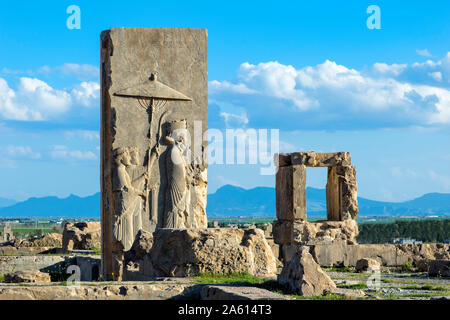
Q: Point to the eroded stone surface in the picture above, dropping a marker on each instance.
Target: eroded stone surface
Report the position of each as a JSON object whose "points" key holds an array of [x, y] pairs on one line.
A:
{"points": [[47, 240], [440, 268], [291, 193], [367, 265], [304, 276], [27, 276], [313, 159], [224, 292], [7, 234], [10, 264], [390, 255], [81, 236], [187, 252], [99, 292], [292, 227], [154, 101], [310, 233]]}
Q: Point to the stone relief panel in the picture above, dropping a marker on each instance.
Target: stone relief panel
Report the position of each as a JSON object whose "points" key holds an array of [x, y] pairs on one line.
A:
{"points": [[154, 86]]}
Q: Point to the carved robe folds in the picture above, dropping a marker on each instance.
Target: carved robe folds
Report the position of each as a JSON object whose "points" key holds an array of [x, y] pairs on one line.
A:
{"points": [[150, 79]]}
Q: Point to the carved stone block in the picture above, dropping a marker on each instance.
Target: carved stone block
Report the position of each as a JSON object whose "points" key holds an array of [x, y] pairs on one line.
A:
{"points": [[291, 193], [154, 96], [312, 159]]}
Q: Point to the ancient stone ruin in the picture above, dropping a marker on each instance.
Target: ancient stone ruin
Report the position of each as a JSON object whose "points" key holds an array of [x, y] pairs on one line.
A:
{"points": [[7, 233], [154, 98], [291, 229]]}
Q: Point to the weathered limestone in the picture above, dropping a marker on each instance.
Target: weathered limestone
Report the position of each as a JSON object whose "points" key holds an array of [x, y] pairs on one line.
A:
{"points": [[47, 240], [7, 233], [224, 292], [187, 252], [342, 200], [342, 203], [291, 193], [28, 276], [313, 159], [304, 276], [159, 291], [156, 290], [141, 246], [9, 264], [154, 101], [440, 268], [317, 232], [90, 267], [291, 227], [389, 255], [268, 234], [11, 250], [367, 265], [81, 236]]}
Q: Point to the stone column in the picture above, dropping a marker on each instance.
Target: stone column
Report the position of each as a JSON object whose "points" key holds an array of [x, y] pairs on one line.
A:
{"points": [[150, 78], [290, 201], [333, 198]]}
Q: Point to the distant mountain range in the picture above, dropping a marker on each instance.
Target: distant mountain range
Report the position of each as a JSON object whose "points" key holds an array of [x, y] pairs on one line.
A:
{"points": [[232, 201], [72, 206]]}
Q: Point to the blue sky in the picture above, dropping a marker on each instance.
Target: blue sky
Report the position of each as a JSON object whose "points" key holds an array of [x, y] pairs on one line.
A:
{"points": [[309, 68]]}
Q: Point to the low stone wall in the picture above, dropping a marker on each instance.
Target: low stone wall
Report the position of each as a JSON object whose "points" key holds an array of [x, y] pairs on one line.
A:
{"points": [[390, 255], [11, 250], [10, 264], [160, 290], [90, 267], [100, 292], [227, 292]]}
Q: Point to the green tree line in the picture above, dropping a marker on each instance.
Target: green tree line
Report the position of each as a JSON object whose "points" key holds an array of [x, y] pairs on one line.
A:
{"points": [[423, 230]]}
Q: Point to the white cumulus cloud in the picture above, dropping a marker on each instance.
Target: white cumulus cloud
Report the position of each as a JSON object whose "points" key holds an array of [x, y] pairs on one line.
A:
{"points": [[35, 100], [333, 96]]}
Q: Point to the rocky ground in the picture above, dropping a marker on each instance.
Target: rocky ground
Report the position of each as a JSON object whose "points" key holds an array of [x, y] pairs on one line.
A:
{"points": [[391, 285], [350, 286]]}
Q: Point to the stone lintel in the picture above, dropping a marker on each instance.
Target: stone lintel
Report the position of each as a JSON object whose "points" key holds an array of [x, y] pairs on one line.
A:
{"points": [[313, 159]]}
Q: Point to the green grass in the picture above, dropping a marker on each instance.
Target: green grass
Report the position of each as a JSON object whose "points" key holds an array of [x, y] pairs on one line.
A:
{"points": [[339, 269], [416, 295], [387, 281], [425, 287], [407, 267], [97, 251], [250, 280], [329, 296], [353, 286], [2, 277], [31, 230], [231, 278]]}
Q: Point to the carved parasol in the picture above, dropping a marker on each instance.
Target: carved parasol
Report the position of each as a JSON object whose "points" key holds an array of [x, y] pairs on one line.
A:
{"points": [[152, 95]]}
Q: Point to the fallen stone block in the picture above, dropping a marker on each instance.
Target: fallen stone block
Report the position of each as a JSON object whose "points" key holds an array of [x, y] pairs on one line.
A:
{"points": [[304, 276], [440, 268], [27, 277], [367, 265], [81, 236], [188, 252], [226, 292]]}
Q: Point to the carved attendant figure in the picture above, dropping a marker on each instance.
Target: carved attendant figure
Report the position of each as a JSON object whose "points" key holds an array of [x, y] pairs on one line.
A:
{"points": [[127, 200]]}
